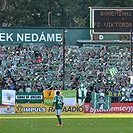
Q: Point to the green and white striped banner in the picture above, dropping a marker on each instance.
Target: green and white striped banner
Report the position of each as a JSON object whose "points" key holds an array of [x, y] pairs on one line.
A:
{"points": [[101, 101], [81, 94], [113, 71]]}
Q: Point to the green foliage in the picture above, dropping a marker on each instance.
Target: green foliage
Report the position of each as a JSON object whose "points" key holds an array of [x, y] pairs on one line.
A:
{"points": [[65, 13]]}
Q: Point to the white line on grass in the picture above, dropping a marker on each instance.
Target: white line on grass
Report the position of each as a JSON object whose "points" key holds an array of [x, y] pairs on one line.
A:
{"points": [[68, 116]]}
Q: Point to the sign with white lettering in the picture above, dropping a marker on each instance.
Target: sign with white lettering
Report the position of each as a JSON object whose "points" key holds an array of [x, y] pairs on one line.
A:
{"points": [[37, 36], [115, 108], [32, 97], [30, 35]]}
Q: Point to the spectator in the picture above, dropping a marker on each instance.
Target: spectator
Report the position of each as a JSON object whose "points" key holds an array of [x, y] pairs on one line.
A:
{"points": [[41, 67]]}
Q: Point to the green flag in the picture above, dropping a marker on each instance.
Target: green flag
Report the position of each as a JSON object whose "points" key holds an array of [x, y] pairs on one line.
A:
{"points": [[101, 101], [81, 94], [113, 71], [126, 94]]}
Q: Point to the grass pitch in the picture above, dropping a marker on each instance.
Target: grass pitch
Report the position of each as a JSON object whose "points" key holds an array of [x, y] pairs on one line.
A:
{"points": [[89, 123]]}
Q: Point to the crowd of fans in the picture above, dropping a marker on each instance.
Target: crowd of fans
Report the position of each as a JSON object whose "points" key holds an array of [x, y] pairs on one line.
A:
{"points": [[27, 68]]}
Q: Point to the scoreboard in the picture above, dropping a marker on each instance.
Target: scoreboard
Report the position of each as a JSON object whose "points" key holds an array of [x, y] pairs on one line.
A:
{"points": [[113, 20], [111, 23], [122, 37]]}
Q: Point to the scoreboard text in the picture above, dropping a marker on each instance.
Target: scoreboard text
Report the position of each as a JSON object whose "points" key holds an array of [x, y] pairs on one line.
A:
{"points": [[111, 20]]}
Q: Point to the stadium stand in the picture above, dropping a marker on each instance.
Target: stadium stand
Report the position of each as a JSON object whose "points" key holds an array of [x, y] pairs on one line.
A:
{"points": [[38, 67]]}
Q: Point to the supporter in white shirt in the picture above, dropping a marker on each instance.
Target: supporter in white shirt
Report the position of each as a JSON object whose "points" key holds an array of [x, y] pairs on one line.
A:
{"points": [[14, 66], [28, 89], [131, 81]]}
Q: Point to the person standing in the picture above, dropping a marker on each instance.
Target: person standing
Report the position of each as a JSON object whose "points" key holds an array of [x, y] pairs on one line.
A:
{"points": [[131, 81], [58, 102]]}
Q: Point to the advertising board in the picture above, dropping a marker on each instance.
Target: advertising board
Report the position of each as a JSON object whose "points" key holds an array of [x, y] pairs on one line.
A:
{"points": [[45, 109], [115, 108], [4, 109]]}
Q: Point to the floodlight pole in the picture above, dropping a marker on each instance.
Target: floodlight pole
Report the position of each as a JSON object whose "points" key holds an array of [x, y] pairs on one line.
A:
{"points": [[131, 50], [64, 45], [49, 19]]}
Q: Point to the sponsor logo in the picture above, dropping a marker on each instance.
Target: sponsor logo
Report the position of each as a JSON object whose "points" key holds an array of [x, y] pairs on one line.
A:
{"points": [[9, 97], [9, 110], [86, 107], [127, 109], [68, 109], [49, 93], [21, 109], [116, 108], [45, 109]]}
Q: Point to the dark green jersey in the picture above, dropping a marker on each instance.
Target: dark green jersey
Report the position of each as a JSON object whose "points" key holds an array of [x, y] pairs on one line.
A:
{"points": [[58, 100]]}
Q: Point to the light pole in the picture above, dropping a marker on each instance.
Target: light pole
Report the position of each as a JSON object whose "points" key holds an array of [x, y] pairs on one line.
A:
{"points": [[64, 45], [49, 19], [131, 34]]}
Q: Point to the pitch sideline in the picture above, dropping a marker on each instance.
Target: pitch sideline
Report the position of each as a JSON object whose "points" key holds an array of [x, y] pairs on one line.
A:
{"points": [[67, 116]]}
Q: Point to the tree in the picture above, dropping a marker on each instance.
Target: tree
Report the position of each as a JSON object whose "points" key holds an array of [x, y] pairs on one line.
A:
{"points": [[65, 13]]}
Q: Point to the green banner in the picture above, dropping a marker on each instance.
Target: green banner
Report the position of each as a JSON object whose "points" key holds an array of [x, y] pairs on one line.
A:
{"points": [[38, 35], [32, 97], [101, 101]]}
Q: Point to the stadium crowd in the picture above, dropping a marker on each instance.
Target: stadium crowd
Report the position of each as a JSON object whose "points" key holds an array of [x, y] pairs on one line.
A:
{"points": [[27, 68]]}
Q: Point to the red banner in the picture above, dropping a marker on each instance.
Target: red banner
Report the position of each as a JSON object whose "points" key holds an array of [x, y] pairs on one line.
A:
{"points": [[115, 108]]}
